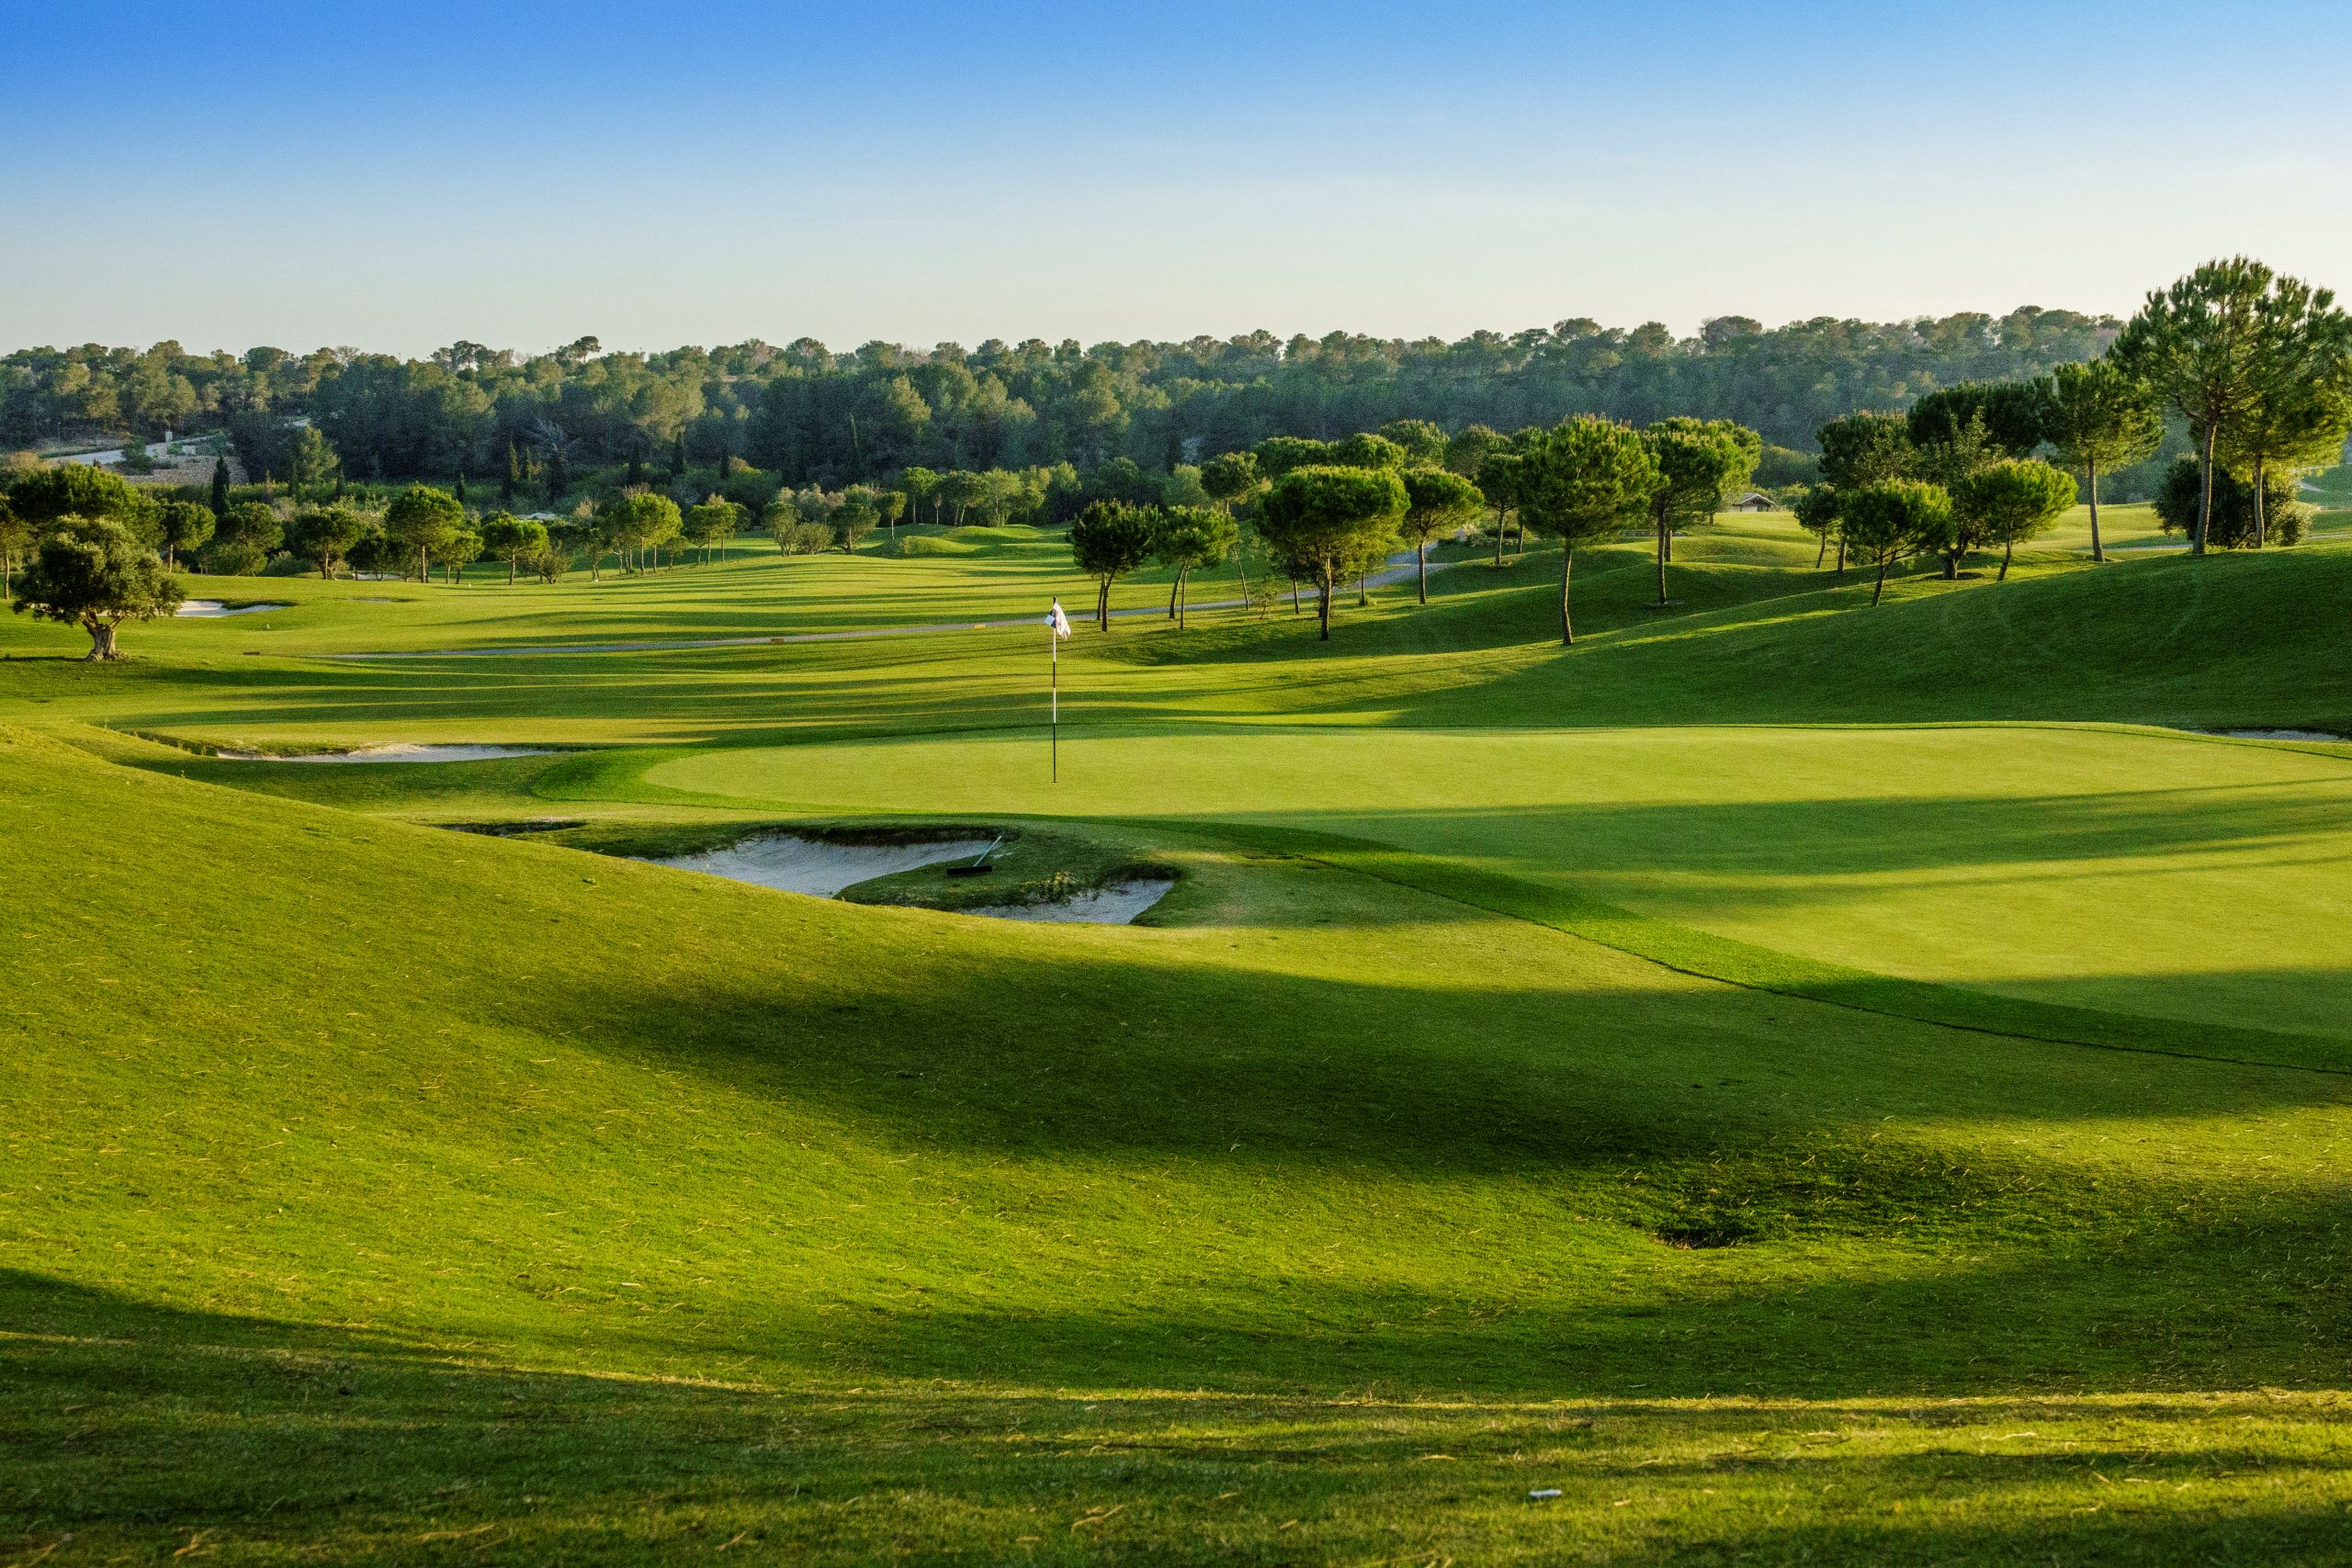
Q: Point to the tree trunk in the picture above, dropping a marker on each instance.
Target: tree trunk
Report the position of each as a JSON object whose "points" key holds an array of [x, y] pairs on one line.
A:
{"points": [[2261, 522], [2205, 493], [2090, 472], [1501, 514], [1364, 597], [2009, 547], [1841, 556], [1293, 596], [1952, 566], [1881, 589], [1822, 554], [511, 563], [1324, 583], [424, 573], [1568, 564], [1662, 536], [102, 647], [1174, 587], [1421, 561], [1102, 606]]}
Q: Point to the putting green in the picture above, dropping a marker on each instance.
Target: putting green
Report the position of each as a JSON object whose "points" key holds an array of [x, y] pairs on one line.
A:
{"points": [[2131, 870]]}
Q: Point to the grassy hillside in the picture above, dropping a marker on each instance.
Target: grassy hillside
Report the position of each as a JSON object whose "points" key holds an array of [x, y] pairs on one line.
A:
{"points": [[1733, 1072], [1129, 1217]]}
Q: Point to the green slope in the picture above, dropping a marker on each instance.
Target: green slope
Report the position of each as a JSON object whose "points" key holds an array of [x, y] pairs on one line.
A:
{"points": [[328, 1129]]}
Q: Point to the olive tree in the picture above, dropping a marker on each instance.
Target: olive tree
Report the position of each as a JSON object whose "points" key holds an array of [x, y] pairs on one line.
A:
{"points": [[1190, 539], [2097, 418], [2011, 502], [1108, 540], [1326, 524], [95, 573], [1584, 481], [1888, 520], [43, 496], [1435, 501]]}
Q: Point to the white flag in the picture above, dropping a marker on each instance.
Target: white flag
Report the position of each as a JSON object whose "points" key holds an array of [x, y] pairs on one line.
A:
{"points": [[1056, 619]]}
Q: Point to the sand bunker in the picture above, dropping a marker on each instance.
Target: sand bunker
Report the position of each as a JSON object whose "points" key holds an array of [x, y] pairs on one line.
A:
{"points": [[394, 753], [211, 609], [1116, 905], [820, 867], [2278, 734]]}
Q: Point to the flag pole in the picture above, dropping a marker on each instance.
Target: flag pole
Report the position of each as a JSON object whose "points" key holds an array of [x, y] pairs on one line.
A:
{"points": [[1053, 684]]}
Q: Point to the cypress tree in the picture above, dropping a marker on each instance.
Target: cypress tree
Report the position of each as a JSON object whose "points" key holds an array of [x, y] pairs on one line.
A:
{"points": [[461, 486], [514, 478], [678, 456], [219, 487]]}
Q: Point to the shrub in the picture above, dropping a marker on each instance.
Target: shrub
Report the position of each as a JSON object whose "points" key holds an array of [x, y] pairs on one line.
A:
{"points": [[233, 557]]}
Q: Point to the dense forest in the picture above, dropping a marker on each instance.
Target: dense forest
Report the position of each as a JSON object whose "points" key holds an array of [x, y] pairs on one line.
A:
{"points": [[812, 417]]}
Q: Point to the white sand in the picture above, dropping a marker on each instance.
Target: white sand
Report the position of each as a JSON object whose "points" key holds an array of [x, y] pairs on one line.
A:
{"points": [[1116, 905], [818, 866], [211, 609], [395, 753]]}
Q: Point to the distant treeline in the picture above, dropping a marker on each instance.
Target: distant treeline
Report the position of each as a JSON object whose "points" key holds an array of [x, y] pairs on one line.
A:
{"points": [[812, 417]]}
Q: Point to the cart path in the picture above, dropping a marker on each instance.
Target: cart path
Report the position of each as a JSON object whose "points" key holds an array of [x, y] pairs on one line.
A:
{"points": [[1392, 573]]}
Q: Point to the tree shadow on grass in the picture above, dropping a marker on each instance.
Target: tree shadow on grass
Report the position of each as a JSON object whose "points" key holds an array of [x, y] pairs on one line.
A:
{"points": [[144, 1430]]}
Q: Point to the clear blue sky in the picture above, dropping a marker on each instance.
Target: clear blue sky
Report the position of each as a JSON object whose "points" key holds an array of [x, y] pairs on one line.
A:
{"points": [[403, 175]]}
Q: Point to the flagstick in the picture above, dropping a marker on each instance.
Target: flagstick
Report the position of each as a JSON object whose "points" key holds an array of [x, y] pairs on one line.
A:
{"points": [[1053, 680]]}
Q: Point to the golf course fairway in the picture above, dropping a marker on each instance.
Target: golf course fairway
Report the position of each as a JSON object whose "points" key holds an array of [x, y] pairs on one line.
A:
{"points": [[1782, 1081]]}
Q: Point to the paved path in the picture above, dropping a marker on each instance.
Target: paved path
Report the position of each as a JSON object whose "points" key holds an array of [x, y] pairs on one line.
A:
{"points": [[1393, 572]]}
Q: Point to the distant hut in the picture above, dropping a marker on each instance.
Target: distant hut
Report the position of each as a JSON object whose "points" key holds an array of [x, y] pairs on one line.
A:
{"points": [[1754, 500]]}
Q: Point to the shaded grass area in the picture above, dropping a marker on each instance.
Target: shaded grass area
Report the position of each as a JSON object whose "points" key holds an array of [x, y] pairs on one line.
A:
{"points": [[260, 1441]]}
